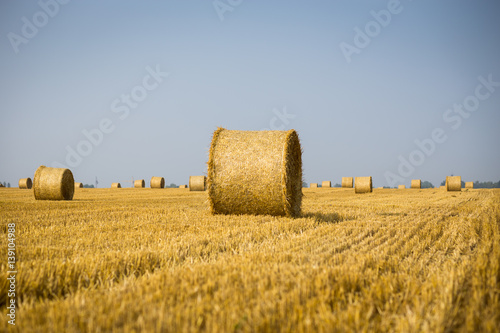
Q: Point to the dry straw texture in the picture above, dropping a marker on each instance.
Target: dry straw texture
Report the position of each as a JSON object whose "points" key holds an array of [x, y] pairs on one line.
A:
{"points": [[326, 183], [197, 183], [53, 184], [25, 183], [453, 183], [443, 187], [347, 182], [78, 185], [255, 172], [469, 185], [183, 186], [157, 182], [401, 187], [416, 183], [313, 185], [363, 185], [140, 183], [116, 185]]}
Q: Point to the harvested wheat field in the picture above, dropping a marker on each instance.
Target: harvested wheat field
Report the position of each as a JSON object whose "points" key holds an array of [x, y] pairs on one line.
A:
{"points": [[158, 261]]}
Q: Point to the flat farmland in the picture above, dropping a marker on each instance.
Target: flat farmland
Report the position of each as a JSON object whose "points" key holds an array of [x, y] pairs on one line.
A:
{"points": [[156, 260]]}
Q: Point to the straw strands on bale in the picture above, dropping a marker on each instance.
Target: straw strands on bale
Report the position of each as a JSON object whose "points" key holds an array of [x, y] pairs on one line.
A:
{"points": [[363, 185], [78, 185], [116, 185], [183, 186], [197, 183], [401, 187], [313, 185], [25, 183], [347, 182], [453, 183], [469, 185], [53, 184], [255, 172], [416, 183], [157, 182], [140, 183], [326, 183]]}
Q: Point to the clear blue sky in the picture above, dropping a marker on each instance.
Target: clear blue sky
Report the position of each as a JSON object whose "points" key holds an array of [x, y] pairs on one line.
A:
{"points": [[358, 86]]}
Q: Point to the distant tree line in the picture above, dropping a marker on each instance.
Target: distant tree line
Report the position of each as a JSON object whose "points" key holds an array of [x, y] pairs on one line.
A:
{"points": [[5, 184]]}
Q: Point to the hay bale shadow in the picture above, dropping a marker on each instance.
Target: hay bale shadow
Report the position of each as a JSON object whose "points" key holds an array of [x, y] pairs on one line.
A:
{"points": [[325, 217]]}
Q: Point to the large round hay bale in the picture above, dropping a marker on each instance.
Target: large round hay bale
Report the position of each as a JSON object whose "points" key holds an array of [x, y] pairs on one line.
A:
{"points": [[197, 183], [469, 185], [78, 185], [416, 183], [116, 185], [401, 187], [453, 183], [53, 184], [313, 185], [326, 183], [25, 183], [347, 182], [140, 183], [255, 172], [183, 186], [157, 182], [363, 185]]}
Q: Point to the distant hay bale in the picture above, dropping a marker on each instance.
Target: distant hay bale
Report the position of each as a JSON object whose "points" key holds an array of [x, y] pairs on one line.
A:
{"points": [[197, 183], [157, 182], [401, 187], [363, 185], [380, 188], [347, 182], [140, 183], [416, 183], [469, 185], [116, 185], [453, 183], [53, 184], [78, 185], [25, 183], [183, 186], [255, 172], [326, 183], [313, 185]]}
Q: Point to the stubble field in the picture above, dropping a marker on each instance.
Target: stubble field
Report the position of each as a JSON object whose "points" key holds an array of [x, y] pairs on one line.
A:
{"points": [[157, 261]]}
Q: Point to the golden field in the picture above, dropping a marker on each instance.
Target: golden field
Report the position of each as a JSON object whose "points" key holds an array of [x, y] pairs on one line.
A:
{"points": [[155, 260]]}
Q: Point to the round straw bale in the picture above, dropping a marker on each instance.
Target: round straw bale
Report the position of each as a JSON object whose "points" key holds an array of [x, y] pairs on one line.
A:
{"points": [[53, 184], [313, 185], [25, 183], [140, 183], [347, 182], [255, 172], [416, 183], [326, 183], [78, 185], [453, 183], [183, 186], [469, 185], [116, 185], [401, 187], [197, 183], [363, 185], [157, 182]]}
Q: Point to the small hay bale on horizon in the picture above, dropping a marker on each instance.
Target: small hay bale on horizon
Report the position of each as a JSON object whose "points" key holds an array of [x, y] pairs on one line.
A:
{"points": [[346, 182], [157, 182], [53, 184], [78, 185], [116, 185], [25, 183], [326, 183], [401, 187], [140, 183], [469, 184], [363, 185], [416, 183], [453, 183], [197, 183], [183, 186], [313, 185], [255, 172]]}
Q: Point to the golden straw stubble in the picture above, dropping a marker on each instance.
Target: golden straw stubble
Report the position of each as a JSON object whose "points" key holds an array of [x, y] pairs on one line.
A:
{"points": [[197, 183], [363, 185], [255, 172], [53, 184], [157, 182], [25, 183]]}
